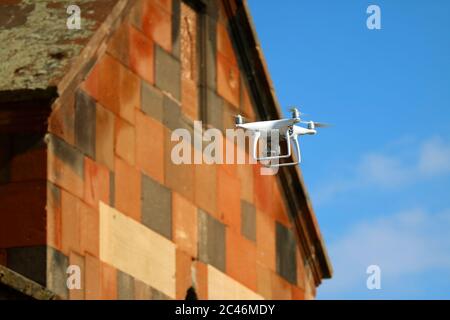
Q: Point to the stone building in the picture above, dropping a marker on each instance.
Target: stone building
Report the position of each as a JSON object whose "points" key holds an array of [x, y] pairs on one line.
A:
{"points": [[86, 177]]}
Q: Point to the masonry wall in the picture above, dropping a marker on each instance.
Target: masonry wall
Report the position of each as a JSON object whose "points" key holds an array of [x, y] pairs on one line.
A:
{"points": [[139, 226]]}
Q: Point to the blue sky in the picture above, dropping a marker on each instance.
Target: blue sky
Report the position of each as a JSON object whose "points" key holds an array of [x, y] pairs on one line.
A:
{"points": [[379, 178]]}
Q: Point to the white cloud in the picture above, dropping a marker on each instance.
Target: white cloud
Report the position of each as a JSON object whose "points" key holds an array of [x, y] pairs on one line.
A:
{"points": [[434, 157], [391, 170], [404, 245]]}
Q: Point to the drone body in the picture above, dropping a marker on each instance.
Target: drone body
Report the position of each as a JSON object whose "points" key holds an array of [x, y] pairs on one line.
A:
{"points": [[283, 129]]}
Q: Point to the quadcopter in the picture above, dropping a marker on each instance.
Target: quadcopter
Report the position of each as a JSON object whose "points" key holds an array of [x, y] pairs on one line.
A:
{"points": [[286, 129]]}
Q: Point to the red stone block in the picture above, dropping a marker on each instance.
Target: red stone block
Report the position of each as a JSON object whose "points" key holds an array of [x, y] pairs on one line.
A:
{"points": [[23, 219], [228, 198], [125, 141], [241, 259], [127, 190], [96, 179], [184, 224], [35, 162], [109, 282], [228, 80], [3, 257], [157, 24], [183, 274], [150, 146], [142, 55]]}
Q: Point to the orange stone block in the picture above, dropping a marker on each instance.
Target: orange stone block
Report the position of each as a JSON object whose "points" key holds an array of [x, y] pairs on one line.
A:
{"points": [[77, 260], [263, 188], [228, 80], [178, 177], [281, 289], [89, 229], [53, 216], [91, 83], [241, 259], [142, 55], [297, 293], [96, 183], [70, 223], [109, 83], [127, 189], [279, 210], [205, 188], [189, 98], [104, 137], [93, 278], [224, 45], [228, 199], [109, 282], [184, 224], [183, 274], [150, 146], [265, 240], [130, 94], [125, 139], [201, 279], [157, 24], [264, 281]]}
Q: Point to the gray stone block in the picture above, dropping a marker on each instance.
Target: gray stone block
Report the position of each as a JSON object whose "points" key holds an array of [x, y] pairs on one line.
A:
{"points": [[156, 207], [125, 286], [57, 264], [29, 262], [68, 154], [151, 101], [167, 73], [85, 123], [211, 240], [286, 245], [248, 220]]}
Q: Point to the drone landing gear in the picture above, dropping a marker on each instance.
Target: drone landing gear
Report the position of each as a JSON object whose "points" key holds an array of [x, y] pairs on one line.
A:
{"points": [[272, 152]]}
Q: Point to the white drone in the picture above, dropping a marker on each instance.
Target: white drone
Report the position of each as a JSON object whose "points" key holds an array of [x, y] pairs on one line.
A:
{"points": [[286, 129]]}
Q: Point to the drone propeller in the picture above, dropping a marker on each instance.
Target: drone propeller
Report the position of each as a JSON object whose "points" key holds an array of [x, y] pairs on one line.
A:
{"points": [[313, 124]]}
